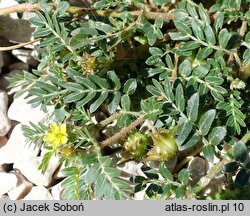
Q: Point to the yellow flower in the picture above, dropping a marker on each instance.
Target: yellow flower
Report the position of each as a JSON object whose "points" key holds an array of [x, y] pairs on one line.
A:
{"points": [[57, 135]]}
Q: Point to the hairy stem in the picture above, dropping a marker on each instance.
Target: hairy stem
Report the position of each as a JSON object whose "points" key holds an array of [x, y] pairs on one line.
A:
{"points": [[19, 8], [80, 10], [19, 45], [174, 72], [109, 119], [123, 132], [243, 28]]}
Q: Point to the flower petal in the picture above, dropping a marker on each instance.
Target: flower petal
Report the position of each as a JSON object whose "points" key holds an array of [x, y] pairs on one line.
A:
{"points": [[62, 128], [53, 127], [55, 143], [63, 140], [50, 137]]}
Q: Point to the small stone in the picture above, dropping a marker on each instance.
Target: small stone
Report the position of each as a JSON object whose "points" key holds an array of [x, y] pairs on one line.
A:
{"points": [[57, 191], [22, 189], [130, 168], [170, 164], [4, 197], [38, 193], [5, 122], [19, 66], [5, 167], [58, 173], [8, 182], [26, 56], [140, 195], [197, 169], [17, 149], [29, 168], [3, 141], [218, 182], [22, 112]]}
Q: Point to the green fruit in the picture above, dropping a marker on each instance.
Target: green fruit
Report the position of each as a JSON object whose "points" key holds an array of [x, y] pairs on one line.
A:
{"points": [[136, 146], [165, 146]]}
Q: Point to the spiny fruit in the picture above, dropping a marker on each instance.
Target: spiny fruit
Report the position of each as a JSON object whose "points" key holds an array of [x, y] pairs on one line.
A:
{"points": [[67, 151], [164, 147], [135, 147]]}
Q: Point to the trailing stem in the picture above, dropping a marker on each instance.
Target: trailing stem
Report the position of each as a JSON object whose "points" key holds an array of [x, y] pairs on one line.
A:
{"points": [[80, 10], [123, 132]]}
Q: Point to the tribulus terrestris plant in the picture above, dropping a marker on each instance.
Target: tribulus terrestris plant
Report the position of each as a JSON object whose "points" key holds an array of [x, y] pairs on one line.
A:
{"points": [[156, 81]]}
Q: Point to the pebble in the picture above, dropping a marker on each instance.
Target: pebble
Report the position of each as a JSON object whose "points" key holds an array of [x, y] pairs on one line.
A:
{"points": [[29, 168], [58, 173], [26, 56], [17, 149], [197, 169], [38, 193], [5, 122], [170, 164], [5, 167], [8, 182], [20, 108], [22, 189], [3, 141], [57, 191], [4, 197]]}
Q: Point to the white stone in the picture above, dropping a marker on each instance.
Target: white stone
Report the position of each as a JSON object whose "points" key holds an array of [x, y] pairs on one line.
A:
{"points": [[17, 149], [57, 191], [217, 183], [38, 193], [8, 3], [22, 189], [21, 111], [130, 168], [197, 169], [58, 173], [4, 197], [29, 168], [139, 195], [26, 56], [8, 182], [5, 124], [170, 164]]}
